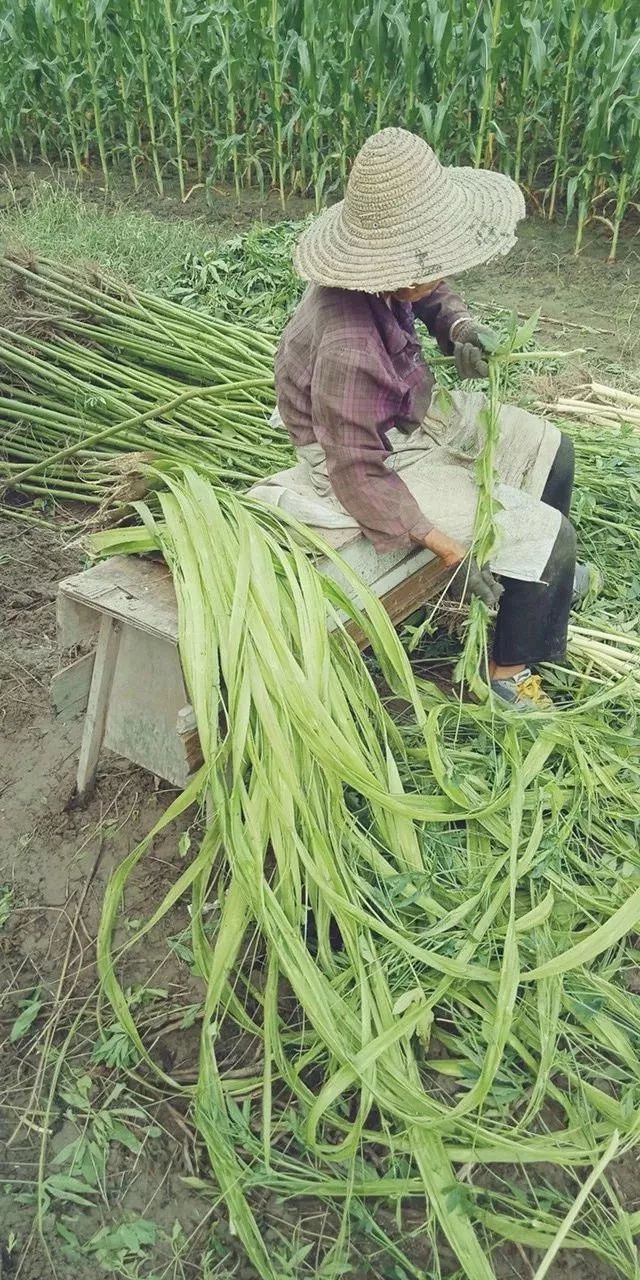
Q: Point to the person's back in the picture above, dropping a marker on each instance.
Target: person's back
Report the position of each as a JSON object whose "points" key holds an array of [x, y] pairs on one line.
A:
{"points": [[335, 333]]}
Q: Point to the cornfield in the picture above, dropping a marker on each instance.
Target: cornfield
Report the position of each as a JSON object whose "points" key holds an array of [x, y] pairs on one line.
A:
{"points": [[281, 93]]}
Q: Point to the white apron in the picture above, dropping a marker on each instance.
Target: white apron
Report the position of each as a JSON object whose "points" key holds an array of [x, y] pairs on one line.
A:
{"points": [[437, 462]]}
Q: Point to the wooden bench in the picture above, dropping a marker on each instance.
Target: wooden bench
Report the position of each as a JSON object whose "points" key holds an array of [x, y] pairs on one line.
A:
{"points": [[128, 681]]}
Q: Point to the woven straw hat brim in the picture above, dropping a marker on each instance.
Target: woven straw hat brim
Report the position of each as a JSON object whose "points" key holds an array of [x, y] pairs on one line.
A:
{"points": [[478, 225]]}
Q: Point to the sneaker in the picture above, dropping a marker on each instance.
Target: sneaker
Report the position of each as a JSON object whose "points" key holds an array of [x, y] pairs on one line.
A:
{"points": [[587, 579], [523, 692]]}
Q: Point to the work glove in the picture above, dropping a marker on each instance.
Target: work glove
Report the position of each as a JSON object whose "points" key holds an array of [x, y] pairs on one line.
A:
{"points": [[470, 580], [470, 344]]}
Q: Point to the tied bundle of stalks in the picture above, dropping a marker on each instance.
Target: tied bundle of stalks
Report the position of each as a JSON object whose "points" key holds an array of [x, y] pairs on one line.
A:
{"points": [[598, 404], [126, 479], [91, 370]]}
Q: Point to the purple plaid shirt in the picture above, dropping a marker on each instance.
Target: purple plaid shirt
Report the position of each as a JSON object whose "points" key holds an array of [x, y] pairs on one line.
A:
{"points": [[350, 367]]}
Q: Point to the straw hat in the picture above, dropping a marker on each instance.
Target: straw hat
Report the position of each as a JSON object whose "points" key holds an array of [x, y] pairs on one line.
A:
{"points": [[407, 219]]}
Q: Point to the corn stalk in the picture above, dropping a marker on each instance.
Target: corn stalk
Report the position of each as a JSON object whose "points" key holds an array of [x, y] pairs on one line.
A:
{"points": [[175, 91]]}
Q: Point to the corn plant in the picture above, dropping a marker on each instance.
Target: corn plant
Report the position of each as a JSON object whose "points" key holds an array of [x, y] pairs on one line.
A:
{"points": [[573, 18], [531, 64], [613, 118]]}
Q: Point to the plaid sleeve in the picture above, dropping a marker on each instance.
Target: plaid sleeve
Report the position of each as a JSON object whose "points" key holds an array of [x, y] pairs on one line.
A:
{"points": [[352, 404], [438, 311]]}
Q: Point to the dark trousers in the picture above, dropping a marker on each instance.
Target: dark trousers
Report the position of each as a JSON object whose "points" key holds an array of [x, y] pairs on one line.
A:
{"points": [[533, 617]]}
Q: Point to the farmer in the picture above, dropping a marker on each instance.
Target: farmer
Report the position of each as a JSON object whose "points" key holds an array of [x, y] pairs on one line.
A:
{"points": [[390, 453]]}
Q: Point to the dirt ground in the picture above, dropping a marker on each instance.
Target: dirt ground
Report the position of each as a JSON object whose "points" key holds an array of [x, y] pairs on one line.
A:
{"points": [[56, 858], [53, 857]]}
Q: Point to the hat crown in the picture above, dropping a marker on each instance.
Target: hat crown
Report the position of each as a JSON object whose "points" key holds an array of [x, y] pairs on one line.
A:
{"points": [[407, 219], [394, 171]]}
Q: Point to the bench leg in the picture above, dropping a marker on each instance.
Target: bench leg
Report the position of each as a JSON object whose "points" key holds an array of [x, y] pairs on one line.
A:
{"points": [[99, 693]]}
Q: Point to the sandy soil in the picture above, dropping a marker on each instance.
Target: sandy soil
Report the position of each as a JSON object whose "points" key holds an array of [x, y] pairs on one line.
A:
{"points": [[56, 858]]}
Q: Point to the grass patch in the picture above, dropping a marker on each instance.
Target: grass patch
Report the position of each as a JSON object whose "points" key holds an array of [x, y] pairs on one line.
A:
{"points": [[58, 222]]}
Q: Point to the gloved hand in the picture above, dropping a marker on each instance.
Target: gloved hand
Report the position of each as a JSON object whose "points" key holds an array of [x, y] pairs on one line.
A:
{"points": [[470, 342], [470, 580]]}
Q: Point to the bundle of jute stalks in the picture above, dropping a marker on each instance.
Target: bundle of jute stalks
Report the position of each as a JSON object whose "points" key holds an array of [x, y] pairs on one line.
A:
{"points": [[594, 402]]}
